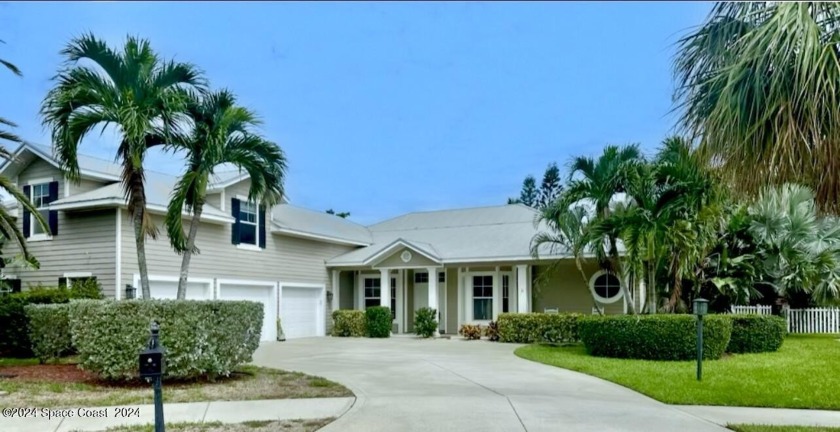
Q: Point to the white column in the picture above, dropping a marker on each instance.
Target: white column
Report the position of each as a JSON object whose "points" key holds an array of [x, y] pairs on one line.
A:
{"points": [[385, 288], [461, 300], [522, 290], [513, 297], [433, 292], [497, 293], [335, 289]]}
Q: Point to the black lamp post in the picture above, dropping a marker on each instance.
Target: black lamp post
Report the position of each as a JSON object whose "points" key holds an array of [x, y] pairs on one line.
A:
{"points": [[701, 307], [152, 367]]}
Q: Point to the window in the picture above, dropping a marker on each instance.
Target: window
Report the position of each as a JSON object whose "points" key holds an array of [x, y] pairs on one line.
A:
{"points": [[442, 277], [8, 286], [393, 299], [40, 197], [248, 222], [505, 293], [421, 278], [606, 287], [482, 297], [373, 292], [68, 281]]}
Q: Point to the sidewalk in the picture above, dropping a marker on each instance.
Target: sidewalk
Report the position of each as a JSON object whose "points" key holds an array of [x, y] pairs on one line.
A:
{"points": [[101, 418], [765, 416]]}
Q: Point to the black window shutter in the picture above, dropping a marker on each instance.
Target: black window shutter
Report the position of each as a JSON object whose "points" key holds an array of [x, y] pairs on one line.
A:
{"points": [[26, 228], [52, 218], [62, 282], [262, 229], [234, 229], [14, 284]]}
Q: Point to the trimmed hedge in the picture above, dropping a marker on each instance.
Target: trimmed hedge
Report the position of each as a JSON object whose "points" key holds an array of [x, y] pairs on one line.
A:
{"points": [[654, 337], [425, 322], [14, 331], [49, 330], [201, 338], [538, 327], [349, 323], [756, 333], [378, 321]]}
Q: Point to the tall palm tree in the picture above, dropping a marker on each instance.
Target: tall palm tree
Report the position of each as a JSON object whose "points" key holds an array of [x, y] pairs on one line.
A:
{"points": [[757, 85], [133, 90], [222, 133], [598, 181]]}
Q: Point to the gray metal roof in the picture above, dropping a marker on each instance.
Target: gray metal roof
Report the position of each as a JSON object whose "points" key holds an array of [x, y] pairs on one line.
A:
{"points": [[496, 233], [292, 220]]}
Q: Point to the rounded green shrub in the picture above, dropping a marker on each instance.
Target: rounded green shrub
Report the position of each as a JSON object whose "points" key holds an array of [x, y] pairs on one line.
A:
{"points": [[378, 321], [538, 327], [470, 331], [654, 337], [349, 323], [425, 322], [200, 338], [756, 333], [49, 330]]}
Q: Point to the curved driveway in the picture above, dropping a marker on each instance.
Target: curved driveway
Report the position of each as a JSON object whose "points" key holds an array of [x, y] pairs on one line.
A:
{"points": [[408, 384]]}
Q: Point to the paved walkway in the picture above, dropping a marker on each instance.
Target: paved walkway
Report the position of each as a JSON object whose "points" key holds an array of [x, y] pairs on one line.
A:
{"points": [[406, 384], [195, 412], [773, 416]]}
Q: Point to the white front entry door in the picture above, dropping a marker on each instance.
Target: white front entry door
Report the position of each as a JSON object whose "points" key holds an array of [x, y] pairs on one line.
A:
{"points": [[301, 311], [257, 292]]}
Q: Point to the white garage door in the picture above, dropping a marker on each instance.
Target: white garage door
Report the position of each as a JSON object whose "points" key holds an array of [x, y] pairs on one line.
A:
{"points": [[166, 289], [301, 311], [258, 293]]}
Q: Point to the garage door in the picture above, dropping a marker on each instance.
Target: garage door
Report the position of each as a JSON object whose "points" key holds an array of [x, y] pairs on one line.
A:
{"points": [[301, 310], [258, 293], [165, 289]]}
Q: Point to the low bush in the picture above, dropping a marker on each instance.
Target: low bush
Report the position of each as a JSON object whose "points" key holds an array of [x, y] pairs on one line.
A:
{"points": [[756, 333], [470, 331], [14, 331], [200, 338], [49, 330], [654, 337], [539, 327], [492, 331], [85, 289], [378, 321], [349, 323], [425, 322]]}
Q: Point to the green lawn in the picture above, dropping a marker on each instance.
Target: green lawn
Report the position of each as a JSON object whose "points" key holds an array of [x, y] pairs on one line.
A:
{"points": [[804, 373], [763, 428]]}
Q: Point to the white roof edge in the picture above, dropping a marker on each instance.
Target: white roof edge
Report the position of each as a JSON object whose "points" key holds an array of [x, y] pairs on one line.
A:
{"points": [[111, 202], [218, 187], [49, 159], [304, 234], [335, 263], [404, 243]]}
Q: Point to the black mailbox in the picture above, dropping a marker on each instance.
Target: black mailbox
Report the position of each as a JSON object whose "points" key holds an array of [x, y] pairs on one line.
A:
{"points": [[152, 361]]}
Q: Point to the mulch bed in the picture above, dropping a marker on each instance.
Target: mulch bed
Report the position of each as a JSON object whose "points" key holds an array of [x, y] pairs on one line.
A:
{"points": [[46, 372]]}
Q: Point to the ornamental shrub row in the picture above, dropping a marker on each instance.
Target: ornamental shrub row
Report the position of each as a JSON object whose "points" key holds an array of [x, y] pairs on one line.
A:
{"points": [[49, 330], [349, 323], [756, 333], [201, 338], [538, 327]]}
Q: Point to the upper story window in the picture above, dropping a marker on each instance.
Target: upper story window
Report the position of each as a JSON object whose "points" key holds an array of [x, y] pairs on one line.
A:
{"points": [[421, 277], [41, 193], [249, 228]]}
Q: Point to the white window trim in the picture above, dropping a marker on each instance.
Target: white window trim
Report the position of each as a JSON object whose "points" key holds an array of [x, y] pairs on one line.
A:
{"points": [[248, 246], [78, 275], [364, 292], [598, 297], [32, 221], [471, 298]]}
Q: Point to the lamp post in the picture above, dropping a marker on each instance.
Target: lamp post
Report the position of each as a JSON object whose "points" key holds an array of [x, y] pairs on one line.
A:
{"points": [[152, 367], [701, 307]]}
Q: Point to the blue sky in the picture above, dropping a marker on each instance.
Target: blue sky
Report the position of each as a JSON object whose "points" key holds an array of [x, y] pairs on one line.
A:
{"points": [[386, 108]]}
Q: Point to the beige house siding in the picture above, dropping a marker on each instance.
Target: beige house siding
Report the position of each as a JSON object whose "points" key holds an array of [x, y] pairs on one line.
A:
{"points": [[562, 287], [84, 243], [451, 301], [83, 186]]}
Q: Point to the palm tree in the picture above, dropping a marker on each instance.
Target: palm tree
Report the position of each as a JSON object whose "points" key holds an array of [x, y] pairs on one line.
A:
{"points": [[598, 183], [133, 90], [222, 133], [757, 85]]}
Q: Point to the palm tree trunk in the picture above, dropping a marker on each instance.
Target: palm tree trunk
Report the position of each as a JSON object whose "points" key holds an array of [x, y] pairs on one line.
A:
{"points": [[140, 243], [625, 290], [185, 260]]}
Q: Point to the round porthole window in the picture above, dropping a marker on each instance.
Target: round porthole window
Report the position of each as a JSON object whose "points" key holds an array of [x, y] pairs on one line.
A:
{"points": [[605, 286], [405, 256]]}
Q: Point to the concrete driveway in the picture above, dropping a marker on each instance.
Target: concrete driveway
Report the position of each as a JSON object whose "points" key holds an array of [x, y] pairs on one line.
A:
{"points": [[408, 384]]}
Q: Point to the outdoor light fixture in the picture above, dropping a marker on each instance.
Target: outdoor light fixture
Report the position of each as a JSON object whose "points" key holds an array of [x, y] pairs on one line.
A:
{"points": [[152, 362], [329, 296], [130, 292], [701, 307]]}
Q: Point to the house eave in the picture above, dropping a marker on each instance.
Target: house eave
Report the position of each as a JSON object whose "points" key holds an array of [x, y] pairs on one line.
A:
{"points": [[153, 208], [319, 237]]}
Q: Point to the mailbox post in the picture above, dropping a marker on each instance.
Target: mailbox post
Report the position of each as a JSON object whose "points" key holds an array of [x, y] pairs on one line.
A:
{"points": [[152, 367], [701, 308]]}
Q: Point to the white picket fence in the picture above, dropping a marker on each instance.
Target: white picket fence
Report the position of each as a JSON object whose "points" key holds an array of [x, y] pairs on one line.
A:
{"points": [[811, 320]]}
